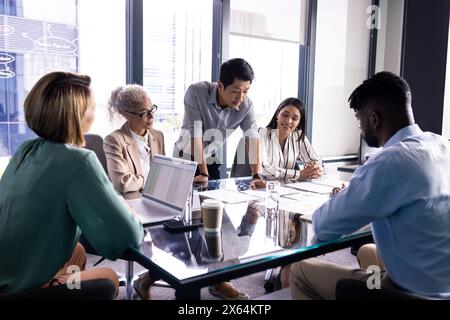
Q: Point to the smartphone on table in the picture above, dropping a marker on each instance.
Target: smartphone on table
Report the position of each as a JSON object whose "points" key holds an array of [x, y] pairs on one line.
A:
{"points": [[175, 225]]}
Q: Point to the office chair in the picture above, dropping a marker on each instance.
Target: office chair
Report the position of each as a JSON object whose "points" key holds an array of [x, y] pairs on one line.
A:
{"points": [[94, 142], [98, 289], [351, 289], [241, 166]]}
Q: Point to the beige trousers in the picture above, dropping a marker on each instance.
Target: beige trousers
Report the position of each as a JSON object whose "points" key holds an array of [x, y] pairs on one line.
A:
{"points": [[314, 279], [78, 261]]}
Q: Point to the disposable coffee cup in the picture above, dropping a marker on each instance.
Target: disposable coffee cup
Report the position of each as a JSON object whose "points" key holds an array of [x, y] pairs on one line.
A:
{"points": [[212, 212], [214, 246]]}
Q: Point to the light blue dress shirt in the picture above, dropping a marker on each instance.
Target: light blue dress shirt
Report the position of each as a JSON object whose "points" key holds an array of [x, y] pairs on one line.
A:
{"points": [[404, 192]]}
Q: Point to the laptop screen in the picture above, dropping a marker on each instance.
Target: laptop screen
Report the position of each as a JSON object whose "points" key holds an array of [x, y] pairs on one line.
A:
{"points": [[365, 152], [169, 180]]}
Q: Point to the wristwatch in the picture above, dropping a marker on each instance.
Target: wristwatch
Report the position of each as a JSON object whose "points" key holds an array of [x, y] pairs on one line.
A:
{"points": [[257, 176]]}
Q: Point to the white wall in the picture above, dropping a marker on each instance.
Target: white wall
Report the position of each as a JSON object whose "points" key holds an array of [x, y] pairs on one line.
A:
{"points": [[389, 42], [342, 51]]}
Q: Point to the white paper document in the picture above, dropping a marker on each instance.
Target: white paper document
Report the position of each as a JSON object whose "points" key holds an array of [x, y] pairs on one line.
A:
{"points": [[330, 182], [308, 197], [262, 193], [291, 205], [311, 187], [304, 203], [227, 196]]}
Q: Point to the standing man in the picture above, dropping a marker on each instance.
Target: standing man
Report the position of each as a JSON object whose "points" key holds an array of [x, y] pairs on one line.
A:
{"points": [[403, 191], [212, 111]]}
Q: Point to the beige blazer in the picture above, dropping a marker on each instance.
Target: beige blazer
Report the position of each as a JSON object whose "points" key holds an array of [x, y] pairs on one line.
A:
{"points": [[124, 164]]}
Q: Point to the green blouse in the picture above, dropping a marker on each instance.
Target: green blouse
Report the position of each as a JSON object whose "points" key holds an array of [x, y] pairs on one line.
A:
{"points": [[49, 194]]}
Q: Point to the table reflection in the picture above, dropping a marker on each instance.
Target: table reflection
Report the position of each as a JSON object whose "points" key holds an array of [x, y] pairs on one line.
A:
{"points": [[212, 249], [286, 229]]}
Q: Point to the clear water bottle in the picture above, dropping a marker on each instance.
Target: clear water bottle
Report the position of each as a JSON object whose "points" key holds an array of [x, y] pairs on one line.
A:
{"points": [[271, 210], [187, 214]]}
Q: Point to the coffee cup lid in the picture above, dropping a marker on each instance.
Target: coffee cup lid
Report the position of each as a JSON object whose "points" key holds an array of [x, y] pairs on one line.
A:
{"points": [[212, 203]]}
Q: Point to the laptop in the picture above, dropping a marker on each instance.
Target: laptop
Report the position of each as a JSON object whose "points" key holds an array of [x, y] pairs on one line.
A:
{"points": [[364, 153], [166, 190]]}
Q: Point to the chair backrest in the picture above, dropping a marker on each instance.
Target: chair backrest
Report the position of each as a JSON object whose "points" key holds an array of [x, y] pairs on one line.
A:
{"points": [[241, 166], [94, 142], [351, 289], [98, 289]]}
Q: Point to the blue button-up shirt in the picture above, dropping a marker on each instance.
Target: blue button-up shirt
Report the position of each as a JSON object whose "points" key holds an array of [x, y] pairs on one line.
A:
{"points": [[404, 192]]}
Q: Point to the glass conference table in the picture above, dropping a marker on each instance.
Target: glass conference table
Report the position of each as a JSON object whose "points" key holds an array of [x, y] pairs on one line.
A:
{"points": [[194, 259]]}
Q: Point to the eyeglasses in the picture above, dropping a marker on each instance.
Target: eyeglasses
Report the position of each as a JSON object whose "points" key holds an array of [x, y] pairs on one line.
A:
{"points": [[146, 113]]}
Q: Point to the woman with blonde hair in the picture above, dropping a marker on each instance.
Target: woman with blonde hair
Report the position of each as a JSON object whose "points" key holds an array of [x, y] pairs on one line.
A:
{"points": [[129, 149], [53, 189]]}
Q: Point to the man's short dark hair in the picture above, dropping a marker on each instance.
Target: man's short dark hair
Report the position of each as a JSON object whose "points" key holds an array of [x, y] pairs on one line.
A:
{"points": [[385, 89], [235, 69]]}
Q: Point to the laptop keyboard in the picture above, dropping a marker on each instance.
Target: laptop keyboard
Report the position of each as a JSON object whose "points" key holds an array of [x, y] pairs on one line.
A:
{"points": [[151, 210]]}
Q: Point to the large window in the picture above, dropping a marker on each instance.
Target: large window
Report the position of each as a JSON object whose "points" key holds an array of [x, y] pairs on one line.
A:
{"points": [[341, 64], [88, 36], [177, 53], [268, 35], [40, 36]]}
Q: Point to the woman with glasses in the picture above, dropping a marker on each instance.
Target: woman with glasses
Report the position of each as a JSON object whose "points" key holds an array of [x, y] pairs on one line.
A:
{"points": [[129, 149], [283, 142]]}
